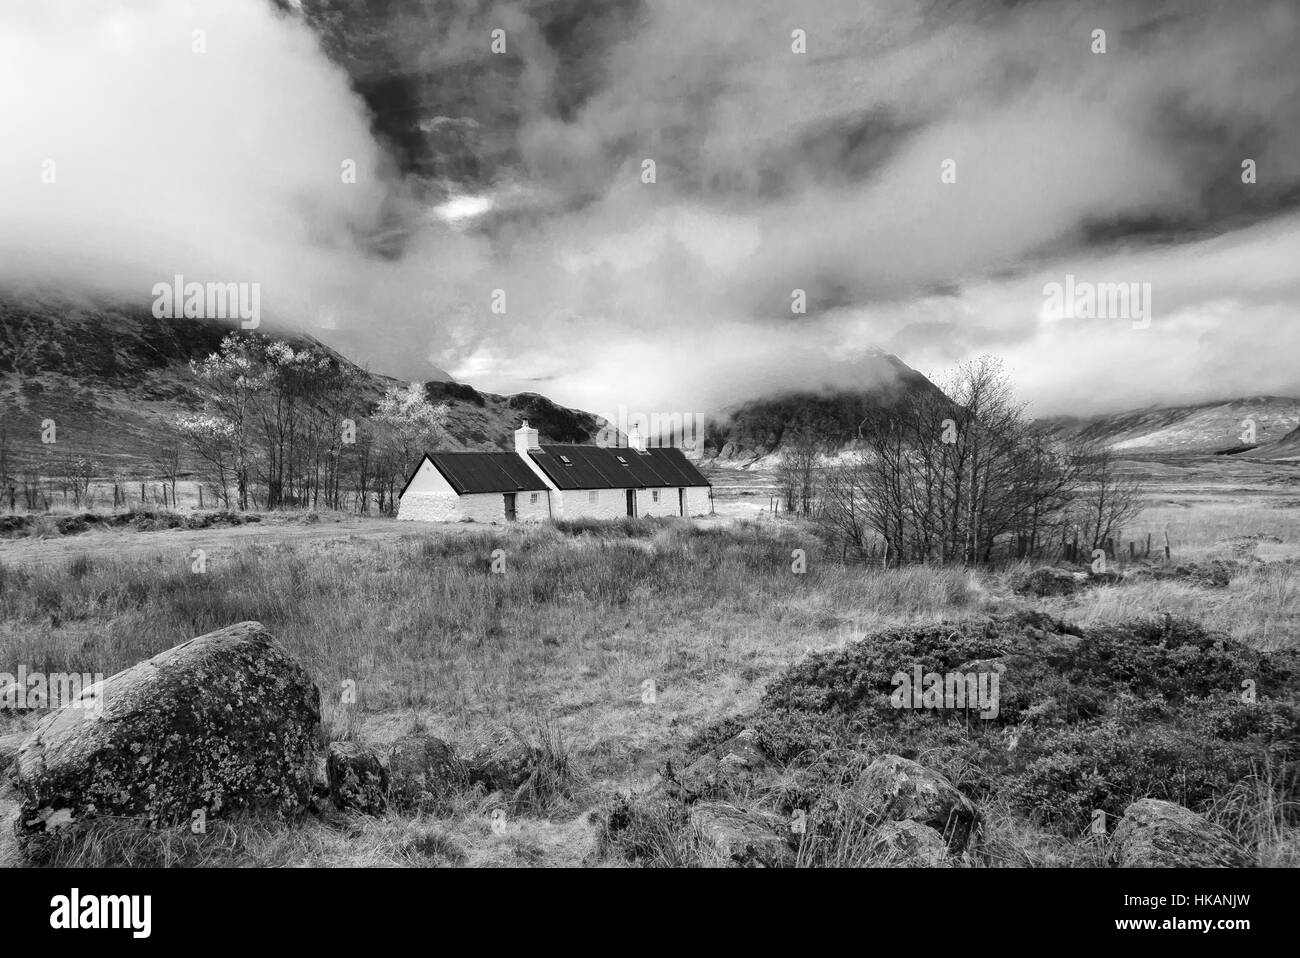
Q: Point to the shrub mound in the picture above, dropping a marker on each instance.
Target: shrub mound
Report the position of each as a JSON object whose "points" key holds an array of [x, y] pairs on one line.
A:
{"points": [[1087, 719]]}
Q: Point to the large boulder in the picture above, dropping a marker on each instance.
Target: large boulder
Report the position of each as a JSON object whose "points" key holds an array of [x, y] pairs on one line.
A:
{"points": [[1158, 834], [226, 720], [741, 837], [357, 777], [422, 770], [898, 789]]}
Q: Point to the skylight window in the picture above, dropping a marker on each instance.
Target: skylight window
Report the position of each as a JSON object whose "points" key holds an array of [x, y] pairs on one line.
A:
{"points": [[566, 460], [622, 460]]}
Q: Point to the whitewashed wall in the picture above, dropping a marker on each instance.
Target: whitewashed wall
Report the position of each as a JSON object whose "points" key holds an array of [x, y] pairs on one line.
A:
{"points": [[577, 504], [430, 498], [697, 500]]}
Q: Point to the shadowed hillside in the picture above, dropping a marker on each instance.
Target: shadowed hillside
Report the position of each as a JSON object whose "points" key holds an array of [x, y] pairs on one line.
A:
{"points": [[114, 380]]}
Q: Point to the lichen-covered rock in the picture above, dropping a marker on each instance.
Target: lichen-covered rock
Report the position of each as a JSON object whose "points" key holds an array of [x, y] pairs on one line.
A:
{"points": [[226, 720], [422, 770], [730, 767], [499, 759], [742, 837], [1049, 580], [357, 777], [1158, 834], [908, 844], [899, 789]]}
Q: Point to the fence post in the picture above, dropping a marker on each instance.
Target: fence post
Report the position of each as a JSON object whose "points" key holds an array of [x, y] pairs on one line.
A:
{"points": [[1166, 545]]}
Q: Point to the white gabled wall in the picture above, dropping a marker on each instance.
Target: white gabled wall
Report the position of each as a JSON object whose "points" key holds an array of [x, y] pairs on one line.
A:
{"points": [[430, 498]]}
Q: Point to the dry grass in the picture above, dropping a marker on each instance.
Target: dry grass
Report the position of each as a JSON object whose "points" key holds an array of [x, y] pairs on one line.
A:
{"points": [[565, 641]]}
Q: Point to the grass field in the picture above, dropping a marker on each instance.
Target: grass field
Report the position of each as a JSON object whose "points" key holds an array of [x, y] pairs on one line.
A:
{"points": [[561, 643]]}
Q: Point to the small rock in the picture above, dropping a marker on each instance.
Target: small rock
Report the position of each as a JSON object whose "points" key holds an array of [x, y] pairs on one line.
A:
{"points": [[909, 844], [1159, 834], [1048, 580], [421, 770], [358, 779], [727, 768], [899, 789], [499, 759], [741, 837]]}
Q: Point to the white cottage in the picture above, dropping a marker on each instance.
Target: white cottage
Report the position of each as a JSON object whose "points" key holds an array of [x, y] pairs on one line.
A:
{"points": [[537, 482]]}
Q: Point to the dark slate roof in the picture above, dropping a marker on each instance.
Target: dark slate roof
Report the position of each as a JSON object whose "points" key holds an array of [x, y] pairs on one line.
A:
{"points": [[486, 472], [599, 467]]}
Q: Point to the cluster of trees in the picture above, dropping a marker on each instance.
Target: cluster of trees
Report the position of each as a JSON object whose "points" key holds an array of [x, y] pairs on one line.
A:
{"points": [[958, 475], [294, 427]]}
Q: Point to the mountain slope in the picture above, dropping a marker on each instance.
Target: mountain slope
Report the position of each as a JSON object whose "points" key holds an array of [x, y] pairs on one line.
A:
{"points": [[114, 379], [758, 427], [1202, 429]]}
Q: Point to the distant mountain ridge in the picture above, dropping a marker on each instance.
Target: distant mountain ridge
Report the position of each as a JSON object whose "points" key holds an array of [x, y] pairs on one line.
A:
{"points": [[115, 378], [1202, 429]]}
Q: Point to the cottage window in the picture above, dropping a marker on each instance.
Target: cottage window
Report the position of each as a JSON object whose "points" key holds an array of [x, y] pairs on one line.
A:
{"points": [[654, 495], [533, 498], [593, 496]]}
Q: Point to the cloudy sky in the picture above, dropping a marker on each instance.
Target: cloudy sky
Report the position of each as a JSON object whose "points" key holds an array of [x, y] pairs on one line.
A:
{"points": [[775, 171]]}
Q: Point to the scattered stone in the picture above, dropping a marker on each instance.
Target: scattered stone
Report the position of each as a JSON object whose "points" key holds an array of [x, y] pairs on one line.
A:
{"points": [[499, 759], [357, 778], [422, 770], [1048, 580], [1159, 834], [730, 767], [226, 720], [899, 789], [909, 844], [741, 837]]}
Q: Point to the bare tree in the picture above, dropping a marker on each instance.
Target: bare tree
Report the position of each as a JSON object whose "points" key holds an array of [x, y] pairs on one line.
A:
{"points": [[1108, 499], [802, 451], [952, 476]]}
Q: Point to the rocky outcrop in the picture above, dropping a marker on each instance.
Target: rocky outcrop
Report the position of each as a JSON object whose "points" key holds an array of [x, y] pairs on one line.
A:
{"points": [[729, 768], [898, 789], [1159, 834], [226, 720], [742, 837]]}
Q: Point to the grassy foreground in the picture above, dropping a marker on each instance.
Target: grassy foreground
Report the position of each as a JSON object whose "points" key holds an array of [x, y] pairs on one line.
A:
{"points": [[561, 644]]}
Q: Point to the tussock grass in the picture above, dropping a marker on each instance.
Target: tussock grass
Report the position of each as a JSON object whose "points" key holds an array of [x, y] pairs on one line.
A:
{"points": [[559, 646]]}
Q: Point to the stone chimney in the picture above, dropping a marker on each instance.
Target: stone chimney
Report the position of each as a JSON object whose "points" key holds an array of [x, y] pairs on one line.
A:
{"points": [[635, 440], [526, 439]]}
